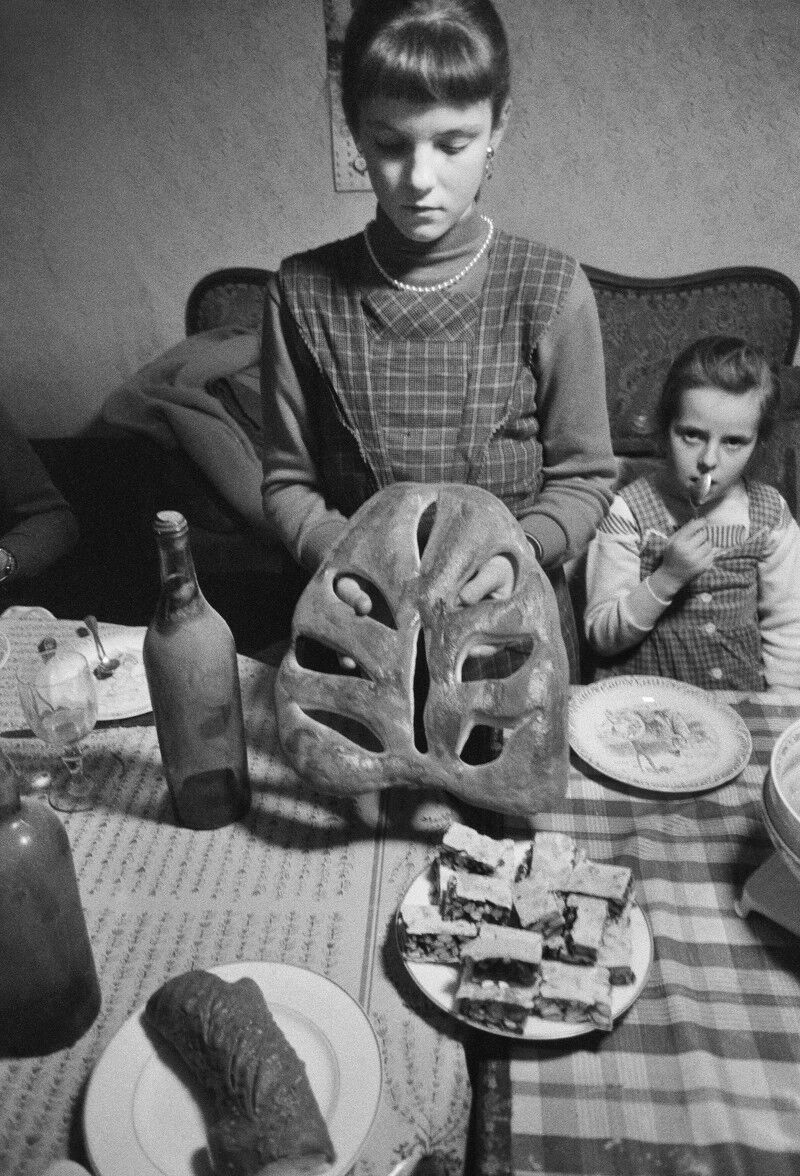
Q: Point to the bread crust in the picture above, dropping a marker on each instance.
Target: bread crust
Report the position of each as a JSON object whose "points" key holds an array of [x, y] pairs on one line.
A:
{"points": [[265, 1115], [379, 704]]}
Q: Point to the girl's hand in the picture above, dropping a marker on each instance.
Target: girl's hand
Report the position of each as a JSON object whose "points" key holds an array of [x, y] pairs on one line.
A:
{"points": [[348, 589], [494, 581], [688, 553]]}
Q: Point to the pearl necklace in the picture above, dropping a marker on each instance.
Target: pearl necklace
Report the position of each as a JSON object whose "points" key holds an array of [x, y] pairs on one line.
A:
{"points": [[439, 285]]}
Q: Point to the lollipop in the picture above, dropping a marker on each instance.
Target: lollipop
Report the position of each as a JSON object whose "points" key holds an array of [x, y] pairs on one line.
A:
{"points": [[700, 491]]}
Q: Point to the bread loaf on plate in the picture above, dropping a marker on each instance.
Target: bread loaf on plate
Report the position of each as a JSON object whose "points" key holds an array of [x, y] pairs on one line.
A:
{"points": [[266, 1120]]}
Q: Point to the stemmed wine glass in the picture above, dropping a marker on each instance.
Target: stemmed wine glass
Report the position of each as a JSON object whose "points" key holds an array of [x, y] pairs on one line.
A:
{"points": [[59, 701]]}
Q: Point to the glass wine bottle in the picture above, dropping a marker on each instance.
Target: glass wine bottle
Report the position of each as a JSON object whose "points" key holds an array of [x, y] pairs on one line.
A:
{"points": [[49, 994], [192, 673]]}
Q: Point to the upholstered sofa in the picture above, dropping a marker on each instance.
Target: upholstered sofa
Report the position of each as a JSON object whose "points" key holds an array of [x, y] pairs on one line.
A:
{"points": [[644, 322], [117, 480]]}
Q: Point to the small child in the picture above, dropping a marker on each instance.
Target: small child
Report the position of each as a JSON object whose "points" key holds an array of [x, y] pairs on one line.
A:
{"points": [[695, 572]]}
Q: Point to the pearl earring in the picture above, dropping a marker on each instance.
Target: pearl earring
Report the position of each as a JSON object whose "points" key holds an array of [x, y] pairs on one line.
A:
{"points": [[489, 162]]}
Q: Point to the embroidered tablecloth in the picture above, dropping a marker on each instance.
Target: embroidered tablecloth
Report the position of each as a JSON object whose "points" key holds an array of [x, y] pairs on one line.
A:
{"points": [[305, 880]]}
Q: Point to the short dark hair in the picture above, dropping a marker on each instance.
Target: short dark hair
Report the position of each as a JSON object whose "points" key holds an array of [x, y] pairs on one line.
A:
{"points": [[725, 362], [425, 51]]}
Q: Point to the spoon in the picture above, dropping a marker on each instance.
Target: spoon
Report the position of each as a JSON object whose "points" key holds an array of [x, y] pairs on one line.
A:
{"points": [[106, 665]]}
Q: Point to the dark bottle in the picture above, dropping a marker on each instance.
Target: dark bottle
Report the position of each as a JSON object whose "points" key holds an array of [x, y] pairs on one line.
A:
{"points": [[49, 995], [190, 662]]}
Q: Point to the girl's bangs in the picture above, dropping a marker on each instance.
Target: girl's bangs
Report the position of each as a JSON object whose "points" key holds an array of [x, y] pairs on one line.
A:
{"points": [[424, 74]]}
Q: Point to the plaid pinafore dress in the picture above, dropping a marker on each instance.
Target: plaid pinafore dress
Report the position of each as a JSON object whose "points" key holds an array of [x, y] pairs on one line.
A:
{"points": [[433, 387], [709, 635]]}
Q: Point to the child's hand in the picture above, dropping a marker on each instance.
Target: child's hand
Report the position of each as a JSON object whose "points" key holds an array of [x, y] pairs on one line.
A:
{"points": [[688, 553]]}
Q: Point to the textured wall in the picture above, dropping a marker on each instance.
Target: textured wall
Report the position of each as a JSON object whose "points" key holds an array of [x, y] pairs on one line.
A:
{"points": [[146, 142]]}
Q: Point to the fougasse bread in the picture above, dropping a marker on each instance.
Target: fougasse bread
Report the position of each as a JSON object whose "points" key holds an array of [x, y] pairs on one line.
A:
{"points": [[266, 1121]]}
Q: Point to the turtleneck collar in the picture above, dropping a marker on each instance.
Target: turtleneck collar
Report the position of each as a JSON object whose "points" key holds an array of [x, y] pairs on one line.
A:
{"points": [[427, 262]]}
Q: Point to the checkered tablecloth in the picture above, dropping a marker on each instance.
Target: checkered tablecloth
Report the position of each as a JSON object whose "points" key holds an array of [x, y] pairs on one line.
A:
{"points": [[701, 1077]]}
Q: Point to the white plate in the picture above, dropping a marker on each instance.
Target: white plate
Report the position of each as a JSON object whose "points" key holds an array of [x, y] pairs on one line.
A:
{"points": [[140, 1119], [658, 734], [439, 981], [122, 696], [32, 611], [125, 694]]}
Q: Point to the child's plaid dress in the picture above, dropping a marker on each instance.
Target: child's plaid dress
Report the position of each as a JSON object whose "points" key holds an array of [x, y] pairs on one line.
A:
{"points": [[709, 635]]}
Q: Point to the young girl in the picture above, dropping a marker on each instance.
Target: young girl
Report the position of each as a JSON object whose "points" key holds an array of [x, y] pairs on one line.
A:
{"points": [[694, 574], [432, 346]]}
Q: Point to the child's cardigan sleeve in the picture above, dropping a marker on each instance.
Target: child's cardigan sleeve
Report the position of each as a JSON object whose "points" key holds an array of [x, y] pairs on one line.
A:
{"points": [[620, 610], [779, 605]]}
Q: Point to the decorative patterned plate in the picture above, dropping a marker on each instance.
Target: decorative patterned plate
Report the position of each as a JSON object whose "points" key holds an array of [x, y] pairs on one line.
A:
{"points": [[658, 734], [141, 1119], [439, 981]]}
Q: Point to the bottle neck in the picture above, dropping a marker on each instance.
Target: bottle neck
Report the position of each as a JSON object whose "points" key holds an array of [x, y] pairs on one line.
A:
{"points": [[179, 588]]}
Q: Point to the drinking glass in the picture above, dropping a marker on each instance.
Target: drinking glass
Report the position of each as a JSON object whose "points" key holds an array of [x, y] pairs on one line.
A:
{"points": [[59, 701]]}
